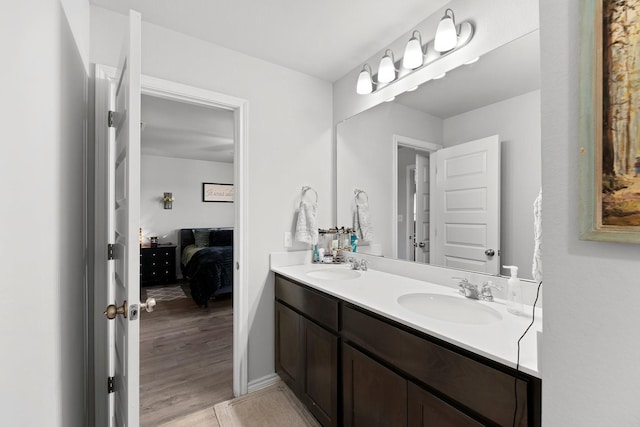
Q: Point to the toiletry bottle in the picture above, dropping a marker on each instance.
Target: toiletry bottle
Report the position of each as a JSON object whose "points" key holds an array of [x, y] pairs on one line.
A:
{"points": [[354, 242], [316, 255], [514, 292]]}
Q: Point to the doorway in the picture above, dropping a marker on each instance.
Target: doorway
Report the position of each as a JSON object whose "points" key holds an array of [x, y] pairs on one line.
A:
{"points": [[186, 357], [410, 159], [105, 82]]}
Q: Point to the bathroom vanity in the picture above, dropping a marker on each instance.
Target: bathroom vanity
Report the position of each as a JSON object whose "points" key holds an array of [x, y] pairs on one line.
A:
{"points": [[355, 356]]}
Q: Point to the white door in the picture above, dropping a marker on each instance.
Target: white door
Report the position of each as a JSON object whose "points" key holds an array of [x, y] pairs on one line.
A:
{"points": [[125, 164], [422, 208], [466, 225]]}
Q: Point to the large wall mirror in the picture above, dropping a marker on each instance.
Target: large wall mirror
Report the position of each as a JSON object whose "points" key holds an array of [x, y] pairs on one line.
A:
{"points": [[399, 151]]}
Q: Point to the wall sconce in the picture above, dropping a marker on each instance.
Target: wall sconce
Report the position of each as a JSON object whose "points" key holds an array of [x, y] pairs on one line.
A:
{"points": [[448, 38], [168, 199]]}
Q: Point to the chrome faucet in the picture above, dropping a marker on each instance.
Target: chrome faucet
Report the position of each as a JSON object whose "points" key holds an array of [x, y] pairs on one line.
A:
{"points": [[358, 265], [485, 293], [471, 290]]}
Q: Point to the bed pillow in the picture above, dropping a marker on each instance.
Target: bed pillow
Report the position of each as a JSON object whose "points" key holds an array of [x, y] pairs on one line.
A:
{"points": [[221, 237], [201, 237]]}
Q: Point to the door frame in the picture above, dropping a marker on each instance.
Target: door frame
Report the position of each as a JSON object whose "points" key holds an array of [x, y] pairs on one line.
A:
{"points": [[402, 141], [170, 90], [409, 224]]}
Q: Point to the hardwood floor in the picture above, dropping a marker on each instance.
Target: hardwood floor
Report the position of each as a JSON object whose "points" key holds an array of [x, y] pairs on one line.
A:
{"points": [[186, 362]]}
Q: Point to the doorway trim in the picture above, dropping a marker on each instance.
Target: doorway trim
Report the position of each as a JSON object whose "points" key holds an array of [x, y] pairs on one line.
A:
{"points": [[189, 94], [402, 141]]}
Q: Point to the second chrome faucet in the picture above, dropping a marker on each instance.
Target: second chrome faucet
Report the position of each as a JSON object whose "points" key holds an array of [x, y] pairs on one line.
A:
{"points": [[471, 290]]}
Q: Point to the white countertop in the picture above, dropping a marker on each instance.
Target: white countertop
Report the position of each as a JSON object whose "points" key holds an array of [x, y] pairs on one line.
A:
{"points": [[378, 292]]}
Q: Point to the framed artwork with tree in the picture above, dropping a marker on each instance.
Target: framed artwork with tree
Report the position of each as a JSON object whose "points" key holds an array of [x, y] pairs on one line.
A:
{"points": [[610, 120]]}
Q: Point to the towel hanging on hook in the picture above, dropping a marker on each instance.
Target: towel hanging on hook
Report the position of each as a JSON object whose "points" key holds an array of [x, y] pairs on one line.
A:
{"points": [[306, 225]]}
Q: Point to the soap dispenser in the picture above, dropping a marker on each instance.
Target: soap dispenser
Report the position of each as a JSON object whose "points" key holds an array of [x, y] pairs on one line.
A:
{"points": [[514, 292]]}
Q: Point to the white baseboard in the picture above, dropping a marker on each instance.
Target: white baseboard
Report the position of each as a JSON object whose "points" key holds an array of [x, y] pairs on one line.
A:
{"points": [[263, 382]]}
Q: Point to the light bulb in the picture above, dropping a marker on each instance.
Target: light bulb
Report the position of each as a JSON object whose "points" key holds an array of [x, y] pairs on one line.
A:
{"points": [[365, 84], [446, 34], [387, 69], [413, 55]]}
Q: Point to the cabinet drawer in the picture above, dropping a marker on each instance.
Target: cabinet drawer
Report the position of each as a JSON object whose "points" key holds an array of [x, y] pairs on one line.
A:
{"points": [[486, 391], [319, 307]]}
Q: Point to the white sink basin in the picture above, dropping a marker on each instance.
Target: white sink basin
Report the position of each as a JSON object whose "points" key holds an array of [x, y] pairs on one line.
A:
{"points": [[449, 308], [333, 273]]}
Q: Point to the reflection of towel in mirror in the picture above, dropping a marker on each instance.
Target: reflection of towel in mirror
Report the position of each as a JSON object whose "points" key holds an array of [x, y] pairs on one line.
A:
{"points": [[362, 221], [536, 269], [306, 227]]}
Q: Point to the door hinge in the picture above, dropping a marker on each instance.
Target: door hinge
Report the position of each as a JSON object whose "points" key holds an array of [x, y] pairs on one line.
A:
{"points": [[110, 388], [110, 115], [110, 251]]}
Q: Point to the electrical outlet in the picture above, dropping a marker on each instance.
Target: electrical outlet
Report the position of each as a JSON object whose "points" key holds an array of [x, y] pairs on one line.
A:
{"points": [[288, 239]]}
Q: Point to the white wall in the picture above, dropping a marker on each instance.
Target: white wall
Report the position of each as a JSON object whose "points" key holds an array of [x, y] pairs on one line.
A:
{"points": [[517, 122], [591, 293], [289, 144], [42, 325], [365, 150], [184, 179]]}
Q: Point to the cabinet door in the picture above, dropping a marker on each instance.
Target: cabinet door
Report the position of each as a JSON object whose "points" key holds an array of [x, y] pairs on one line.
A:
{"points": [[288, 347], [427, 410], [321, 372], [373, 395]]}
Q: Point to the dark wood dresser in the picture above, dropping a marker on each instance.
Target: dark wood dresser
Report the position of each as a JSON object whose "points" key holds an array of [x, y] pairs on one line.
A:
{"points": [[157, 265]]}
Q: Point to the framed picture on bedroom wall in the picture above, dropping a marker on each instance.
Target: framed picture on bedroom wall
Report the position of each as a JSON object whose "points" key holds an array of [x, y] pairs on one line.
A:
{"points": [[609, 121], [213, 192]]}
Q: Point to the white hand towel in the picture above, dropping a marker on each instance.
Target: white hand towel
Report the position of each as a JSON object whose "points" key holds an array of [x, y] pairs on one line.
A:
{"points": [[536, 269], [306, 226], [362, 221]]}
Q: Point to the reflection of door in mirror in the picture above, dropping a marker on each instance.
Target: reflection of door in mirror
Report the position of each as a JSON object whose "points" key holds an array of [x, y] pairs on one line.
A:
{"points": [[466, 223]]}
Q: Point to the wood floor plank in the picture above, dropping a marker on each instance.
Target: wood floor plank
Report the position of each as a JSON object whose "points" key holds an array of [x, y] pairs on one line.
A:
{"points": [[186, 359]]}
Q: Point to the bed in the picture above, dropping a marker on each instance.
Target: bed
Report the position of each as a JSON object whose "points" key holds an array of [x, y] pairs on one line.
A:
{"points": [[206, 261]]}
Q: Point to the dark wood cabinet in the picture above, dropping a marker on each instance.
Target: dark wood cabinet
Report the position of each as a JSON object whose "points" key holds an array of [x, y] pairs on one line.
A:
{"points": [[373, 395], [390, 374], [306, 352], [424, 409], [157, 265]]}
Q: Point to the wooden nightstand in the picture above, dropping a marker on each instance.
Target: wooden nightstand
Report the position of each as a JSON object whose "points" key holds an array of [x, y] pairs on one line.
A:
{"points": [[157, 264]]}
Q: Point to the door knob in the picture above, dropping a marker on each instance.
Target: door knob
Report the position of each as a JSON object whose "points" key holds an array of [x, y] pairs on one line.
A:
{"points": [[149, 305], [113, 310], [422, 244], [489, 252]]}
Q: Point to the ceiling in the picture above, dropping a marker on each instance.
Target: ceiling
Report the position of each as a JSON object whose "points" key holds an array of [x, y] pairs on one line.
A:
{"points": [[326, 39], [187, 131]]}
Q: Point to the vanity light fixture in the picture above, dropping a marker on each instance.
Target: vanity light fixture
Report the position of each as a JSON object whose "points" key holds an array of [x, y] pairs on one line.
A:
{"points": [[446, 34], [472, 61], [413, 53], [387, 68], [449, 38], [393, 98], [365, 82], [412, 89], [439, 76]]}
